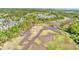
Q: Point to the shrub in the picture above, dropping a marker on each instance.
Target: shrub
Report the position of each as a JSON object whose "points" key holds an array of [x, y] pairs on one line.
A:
{"points": [[73, 29], [61, 42]]}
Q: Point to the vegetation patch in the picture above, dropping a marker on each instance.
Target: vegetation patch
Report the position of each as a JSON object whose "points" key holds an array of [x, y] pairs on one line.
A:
{"points": [[61, 42], [38, 41], [73, 29]]}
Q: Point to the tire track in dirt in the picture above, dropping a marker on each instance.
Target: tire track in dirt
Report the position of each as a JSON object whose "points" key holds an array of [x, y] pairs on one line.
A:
{"points": [[30, 42], [55, 28]]}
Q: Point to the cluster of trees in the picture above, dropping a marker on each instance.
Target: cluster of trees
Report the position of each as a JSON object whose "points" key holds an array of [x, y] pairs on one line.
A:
{"points": [[13, 32], [73, 29]]}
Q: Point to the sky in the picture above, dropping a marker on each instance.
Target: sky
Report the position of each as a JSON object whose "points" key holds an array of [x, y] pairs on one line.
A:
{"points": [[39, 4]]}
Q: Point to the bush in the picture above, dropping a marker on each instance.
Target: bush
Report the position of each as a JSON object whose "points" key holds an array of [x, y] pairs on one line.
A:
{"points": [[73, 29], [61, 42]]}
